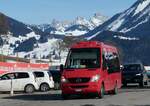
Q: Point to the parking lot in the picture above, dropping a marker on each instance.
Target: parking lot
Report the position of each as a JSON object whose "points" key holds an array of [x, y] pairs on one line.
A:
{"points": [[130, 96]]}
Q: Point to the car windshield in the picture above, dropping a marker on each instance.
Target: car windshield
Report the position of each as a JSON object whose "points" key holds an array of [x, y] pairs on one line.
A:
{"points": [[83, 58], [134, 67]]}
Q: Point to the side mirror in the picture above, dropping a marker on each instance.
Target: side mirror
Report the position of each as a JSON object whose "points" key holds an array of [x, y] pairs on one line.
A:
{"points": [[61, 68]]}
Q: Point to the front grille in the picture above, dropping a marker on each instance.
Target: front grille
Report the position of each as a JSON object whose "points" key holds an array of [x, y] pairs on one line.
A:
{"points": [[78, 87], [79, 80], [128, 76]]}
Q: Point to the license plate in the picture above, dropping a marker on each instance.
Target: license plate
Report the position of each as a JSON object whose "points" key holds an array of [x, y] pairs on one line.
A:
{"points": [[78, 90]]}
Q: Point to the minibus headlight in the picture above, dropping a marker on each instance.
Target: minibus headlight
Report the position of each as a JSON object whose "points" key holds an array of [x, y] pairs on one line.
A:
{"points": [[95, 78], [63, 80]]}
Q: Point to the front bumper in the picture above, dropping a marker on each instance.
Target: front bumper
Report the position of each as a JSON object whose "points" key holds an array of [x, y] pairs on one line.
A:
{"points": [[80, 88], [132, 79]]}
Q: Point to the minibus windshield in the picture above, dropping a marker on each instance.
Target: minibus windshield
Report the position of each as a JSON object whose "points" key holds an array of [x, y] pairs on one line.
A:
{"points": [[83, 58]]}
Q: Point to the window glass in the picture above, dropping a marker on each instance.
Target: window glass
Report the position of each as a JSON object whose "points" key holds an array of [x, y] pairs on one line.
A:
{"points": [[39, 74], [112, 61], [21, 75], [83, 58], [104, 62], [8, 76]]}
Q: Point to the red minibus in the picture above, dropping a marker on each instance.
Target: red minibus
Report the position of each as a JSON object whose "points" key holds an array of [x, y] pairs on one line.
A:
{"points": [[91, 67]]}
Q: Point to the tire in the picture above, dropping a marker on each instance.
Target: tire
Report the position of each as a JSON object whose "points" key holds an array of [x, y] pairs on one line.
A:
{"points": [[141, 84], [146, 82], [29, 88], [44, 87], [102, 92]]}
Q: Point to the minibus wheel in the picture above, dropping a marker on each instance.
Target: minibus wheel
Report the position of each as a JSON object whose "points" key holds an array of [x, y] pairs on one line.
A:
{"points": [[102, 92]]}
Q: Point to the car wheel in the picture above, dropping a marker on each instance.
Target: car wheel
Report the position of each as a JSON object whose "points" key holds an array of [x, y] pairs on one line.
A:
{"points": [[44, 87], [141, 84], [29, 89], [146, 82], [102, 92]]}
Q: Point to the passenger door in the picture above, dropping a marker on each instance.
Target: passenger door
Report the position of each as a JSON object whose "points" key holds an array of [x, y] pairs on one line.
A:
{"points": [[114, 70], [5, 82], [106, 75], [21, 80]]}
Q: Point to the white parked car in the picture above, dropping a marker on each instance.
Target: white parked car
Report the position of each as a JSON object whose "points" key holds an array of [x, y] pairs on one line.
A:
{"points": [[19, 80], [44, 80]]}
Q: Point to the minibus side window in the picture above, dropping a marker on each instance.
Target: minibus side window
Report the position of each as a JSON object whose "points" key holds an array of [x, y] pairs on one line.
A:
{"points": [[104, 64], [113, 62], [116, 63]]}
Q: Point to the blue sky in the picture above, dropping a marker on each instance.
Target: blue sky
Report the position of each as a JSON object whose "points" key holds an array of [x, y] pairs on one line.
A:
{"points": [[43, 11]]}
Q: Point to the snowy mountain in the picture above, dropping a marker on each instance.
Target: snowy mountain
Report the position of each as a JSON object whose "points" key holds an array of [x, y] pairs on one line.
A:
{"points": [[37, 41], [76, 30], [134, 21], [129, 31], [77, 27], [82, 21], [82, 26], [45, 28], [26, 40], [98, 19]]}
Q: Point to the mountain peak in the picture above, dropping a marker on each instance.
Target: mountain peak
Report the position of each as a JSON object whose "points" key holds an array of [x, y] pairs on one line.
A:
{"points": [[134, 21], [143, 4], [80, 21], [98, 19]]}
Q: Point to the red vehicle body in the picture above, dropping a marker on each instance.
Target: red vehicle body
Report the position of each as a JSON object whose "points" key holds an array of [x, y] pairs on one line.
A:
{"points": [[91, 68]]}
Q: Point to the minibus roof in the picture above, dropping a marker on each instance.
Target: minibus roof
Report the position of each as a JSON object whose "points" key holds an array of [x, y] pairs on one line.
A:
{"points": [[94, 44]]}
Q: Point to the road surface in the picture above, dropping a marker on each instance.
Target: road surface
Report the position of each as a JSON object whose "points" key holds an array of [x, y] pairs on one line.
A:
{"points": [[131, 96]]}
